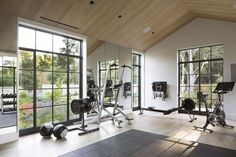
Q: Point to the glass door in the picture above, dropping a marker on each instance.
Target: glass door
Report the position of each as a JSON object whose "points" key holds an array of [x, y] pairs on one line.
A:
{"points": [[136, 81]]}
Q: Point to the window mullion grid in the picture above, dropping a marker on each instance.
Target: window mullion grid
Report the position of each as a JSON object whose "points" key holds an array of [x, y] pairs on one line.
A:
{"points": [[211, 63], [35, 83], [52, 81], [68, 82]]}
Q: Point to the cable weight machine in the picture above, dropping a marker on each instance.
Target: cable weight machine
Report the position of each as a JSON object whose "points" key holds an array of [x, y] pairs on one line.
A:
{"points": [[108, 88]]}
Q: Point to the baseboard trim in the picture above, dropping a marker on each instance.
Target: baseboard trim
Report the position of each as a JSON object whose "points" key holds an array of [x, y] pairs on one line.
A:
{"points": [[230, 116], [10, 137]]}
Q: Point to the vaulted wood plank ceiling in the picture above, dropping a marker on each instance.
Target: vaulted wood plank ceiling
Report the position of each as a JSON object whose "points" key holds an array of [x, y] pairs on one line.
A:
{"points": [[118, 21]]}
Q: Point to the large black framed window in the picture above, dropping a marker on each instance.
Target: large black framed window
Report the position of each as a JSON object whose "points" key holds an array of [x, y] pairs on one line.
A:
{"points": [[200, 69], [113, 75], [136, 81], [50, 77]]}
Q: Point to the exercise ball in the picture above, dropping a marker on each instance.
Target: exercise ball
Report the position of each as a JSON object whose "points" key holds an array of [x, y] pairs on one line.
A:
{"points": [[46, 130], [60, 131]]}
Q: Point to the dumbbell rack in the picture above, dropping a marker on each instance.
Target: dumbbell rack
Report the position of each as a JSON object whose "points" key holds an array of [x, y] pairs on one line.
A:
{"points": [[8, 103]]}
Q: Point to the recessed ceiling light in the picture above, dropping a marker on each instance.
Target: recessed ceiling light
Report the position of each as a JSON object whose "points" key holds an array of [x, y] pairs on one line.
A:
{"points": [[146, 30], [234, 6], [119, 16], [92, 2]]}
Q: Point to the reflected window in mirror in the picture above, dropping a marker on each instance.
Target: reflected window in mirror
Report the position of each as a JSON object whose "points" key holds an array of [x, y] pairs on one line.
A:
{"points": [[8, 118]]}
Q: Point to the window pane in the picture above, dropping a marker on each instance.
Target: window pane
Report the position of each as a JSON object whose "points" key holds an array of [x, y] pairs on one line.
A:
{"points": [[135, 91], [59, 44], [112, 62], [60, 80], [103, 74], [43, 41], [26, 59], [135, 101], [8, 81], [26, 118], [103, 65], [217, 52], [44, 79], [135, 81], [1, 60], [113, 74], [26, 37], [195, 54], [26, 79], [189, 68], [205, 53], [184, 92], [44, 115], [193, 91], [26, 99], [206, 80], [8, 90], [193, 68], [15, 61], [189, 55], [205, 67], [8, 72], [44, 61], [59, 113], [73, 47], [183, 56], [135, 71], [183, 69], [193, 80], [217, 67], [59, 63], [44, 98], [8, 61], [74, 94], [206, 90], [136, 59], [216, 78], [184, 80], [74, 79], [74, 64], [59, 96]]}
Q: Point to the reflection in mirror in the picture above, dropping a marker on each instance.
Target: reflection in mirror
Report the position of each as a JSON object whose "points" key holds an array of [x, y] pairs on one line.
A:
{"points": [[8, 94]]}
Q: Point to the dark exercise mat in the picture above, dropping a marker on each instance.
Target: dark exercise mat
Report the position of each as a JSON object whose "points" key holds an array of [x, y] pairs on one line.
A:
{"points": [[135, 143]]}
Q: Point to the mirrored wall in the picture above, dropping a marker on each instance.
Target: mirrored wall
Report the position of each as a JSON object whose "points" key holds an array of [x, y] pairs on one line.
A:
{"points": [[8, 108]]}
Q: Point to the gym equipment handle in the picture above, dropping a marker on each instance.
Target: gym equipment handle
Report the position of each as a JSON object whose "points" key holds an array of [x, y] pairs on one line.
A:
{"points": [[126, 66]]}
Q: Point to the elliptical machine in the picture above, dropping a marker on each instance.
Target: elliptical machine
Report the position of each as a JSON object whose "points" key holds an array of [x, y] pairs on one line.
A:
{"points": [[217, 117]]}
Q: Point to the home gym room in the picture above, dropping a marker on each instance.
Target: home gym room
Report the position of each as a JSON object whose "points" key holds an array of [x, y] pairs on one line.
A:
{"points": [[117, 78]]}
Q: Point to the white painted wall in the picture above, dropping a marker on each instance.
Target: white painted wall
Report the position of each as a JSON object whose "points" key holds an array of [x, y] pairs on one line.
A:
{"points": [[108, 51], [161, 59]]}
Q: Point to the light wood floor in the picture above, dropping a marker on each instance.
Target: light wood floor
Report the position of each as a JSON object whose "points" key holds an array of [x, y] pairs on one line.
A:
{"points": [[176, 126]]}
